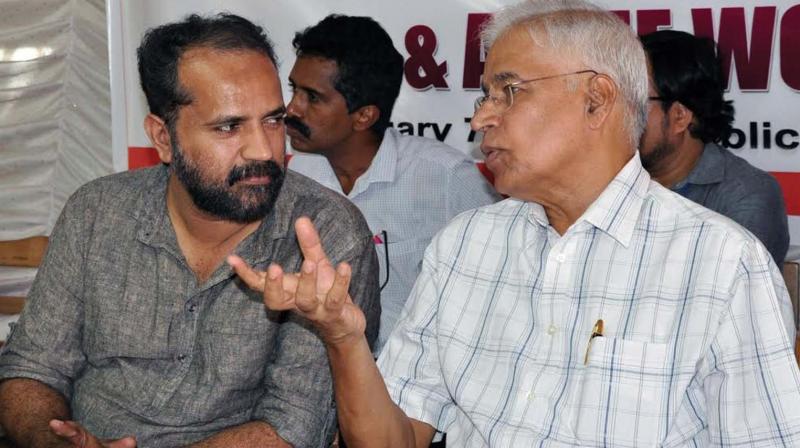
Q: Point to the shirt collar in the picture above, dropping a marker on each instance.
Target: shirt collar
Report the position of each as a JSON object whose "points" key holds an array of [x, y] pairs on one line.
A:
{"points": [[155, 227], [710, 169], [616, 210], [384, 165]]}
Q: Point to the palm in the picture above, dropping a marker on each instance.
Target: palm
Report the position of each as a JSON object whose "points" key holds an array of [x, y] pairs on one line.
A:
{"points": [[318, 292]]}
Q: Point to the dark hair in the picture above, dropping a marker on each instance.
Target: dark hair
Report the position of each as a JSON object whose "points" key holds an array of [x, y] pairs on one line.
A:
{"points": [[370, 69], [162, 48], [688, 70]]}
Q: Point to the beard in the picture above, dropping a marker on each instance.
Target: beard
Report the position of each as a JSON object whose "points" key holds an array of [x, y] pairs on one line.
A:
{"points": [[660, 152], [227, 200]]}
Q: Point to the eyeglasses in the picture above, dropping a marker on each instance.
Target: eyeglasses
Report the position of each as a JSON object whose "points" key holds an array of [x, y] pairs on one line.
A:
{"points": [[506, 100]]}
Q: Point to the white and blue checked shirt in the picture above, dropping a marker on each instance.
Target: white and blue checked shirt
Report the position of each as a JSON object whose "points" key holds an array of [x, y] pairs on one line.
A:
{"points": [[697, 342], [413, 187]]}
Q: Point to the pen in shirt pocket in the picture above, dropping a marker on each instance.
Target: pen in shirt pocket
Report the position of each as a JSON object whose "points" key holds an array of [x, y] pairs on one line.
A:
{"points": [[382, 239], [597, 330]]}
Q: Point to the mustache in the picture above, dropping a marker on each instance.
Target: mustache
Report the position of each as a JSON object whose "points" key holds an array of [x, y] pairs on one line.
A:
{"points": [[297, 125], [266, 168]]}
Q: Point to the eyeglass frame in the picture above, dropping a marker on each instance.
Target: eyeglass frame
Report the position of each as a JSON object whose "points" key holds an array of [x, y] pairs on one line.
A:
{"points": [[509, 92]]}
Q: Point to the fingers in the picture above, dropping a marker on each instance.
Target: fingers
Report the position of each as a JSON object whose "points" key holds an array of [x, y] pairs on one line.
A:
{"points": [[70, 431], [306, 297], [127, 442], [251, 278], [279, 289], [307, 236], [337, 296]]}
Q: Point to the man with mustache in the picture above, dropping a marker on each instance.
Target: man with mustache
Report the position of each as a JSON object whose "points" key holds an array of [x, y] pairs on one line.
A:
{"points": [[593, 307], [136, 331], [345, 82], [687, 122]]}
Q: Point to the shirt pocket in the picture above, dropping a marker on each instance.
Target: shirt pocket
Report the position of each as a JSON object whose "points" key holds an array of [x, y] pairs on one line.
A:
{"points": [[405, 260], [622, 395]]}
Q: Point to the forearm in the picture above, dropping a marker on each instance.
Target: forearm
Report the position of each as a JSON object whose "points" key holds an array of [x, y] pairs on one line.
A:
{"points": [[246, 435], [367, 415], [26, 408]]}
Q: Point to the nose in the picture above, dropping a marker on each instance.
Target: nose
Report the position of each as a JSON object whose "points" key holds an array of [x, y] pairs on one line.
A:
{"points": [[485, 117], [264, 143], [296, 106]]}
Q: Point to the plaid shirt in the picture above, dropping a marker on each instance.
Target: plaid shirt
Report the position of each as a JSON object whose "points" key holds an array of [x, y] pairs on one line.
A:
{"points": [[494, 344]]}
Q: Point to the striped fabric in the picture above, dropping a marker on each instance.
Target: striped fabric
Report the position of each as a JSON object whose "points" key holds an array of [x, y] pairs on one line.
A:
{"points": [[492, 345]]}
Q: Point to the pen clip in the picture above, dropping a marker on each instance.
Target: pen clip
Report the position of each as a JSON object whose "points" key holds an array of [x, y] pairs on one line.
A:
{"points": [[597, 330]]}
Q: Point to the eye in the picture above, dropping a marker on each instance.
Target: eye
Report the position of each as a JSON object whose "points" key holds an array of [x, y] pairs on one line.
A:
{"points": [[313, 97], [227, 128], [274, 122]]}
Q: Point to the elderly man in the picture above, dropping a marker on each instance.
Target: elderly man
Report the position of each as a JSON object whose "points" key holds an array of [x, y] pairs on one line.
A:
{"points": [[593, 307], [345, 83], [688, 120], [135, 329]]}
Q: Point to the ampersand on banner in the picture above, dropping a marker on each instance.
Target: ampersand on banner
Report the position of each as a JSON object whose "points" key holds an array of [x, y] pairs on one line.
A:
{"points": [[421, 68]]}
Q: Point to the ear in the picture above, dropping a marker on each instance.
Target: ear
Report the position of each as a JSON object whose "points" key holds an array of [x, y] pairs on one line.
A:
{"points": [[364, 117], [601, 97], [680, 118], [157, 130]]}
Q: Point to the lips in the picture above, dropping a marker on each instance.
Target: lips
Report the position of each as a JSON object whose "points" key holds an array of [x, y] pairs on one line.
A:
{"points": [[490, 155], [256, 180]]}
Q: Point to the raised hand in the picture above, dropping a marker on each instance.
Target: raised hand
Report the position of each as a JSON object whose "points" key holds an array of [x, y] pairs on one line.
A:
{"points": [[318, 292], [78, 436]]}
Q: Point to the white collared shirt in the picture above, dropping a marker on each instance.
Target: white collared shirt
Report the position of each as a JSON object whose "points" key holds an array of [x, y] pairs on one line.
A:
{"points": [[413, 187], [696, 347]]}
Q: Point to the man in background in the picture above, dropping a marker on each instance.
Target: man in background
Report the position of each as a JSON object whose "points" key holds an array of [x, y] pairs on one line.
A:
{"points": [[688, 120], [345, 82], [135, 330]]}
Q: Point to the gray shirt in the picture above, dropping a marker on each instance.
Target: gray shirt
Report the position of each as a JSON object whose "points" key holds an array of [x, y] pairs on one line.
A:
{"points": [[117, 323], [727, 184]]}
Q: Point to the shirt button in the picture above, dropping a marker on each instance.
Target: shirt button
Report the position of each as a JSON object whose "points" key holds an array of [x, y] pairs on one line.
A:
{"points": [[181, 357], [561, 258], [192, 307], [551, 330]]}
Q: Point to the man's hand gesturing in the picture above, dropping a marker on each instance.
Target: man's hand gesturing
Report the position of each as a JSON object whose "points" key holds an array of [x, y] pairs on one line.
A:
{"points": [[318, 292]]}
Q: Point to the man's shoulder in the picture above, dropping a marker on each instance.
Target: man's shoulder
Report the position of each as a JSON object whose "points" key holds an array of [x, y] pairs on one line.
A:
{"points": [[120, 188], [678, 214], [428, 151], [309, 198], [739, 171]]}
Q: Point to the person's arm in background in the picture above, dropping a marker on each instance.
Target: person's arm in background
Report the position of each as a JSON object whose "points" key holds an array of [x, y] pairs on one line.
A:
{"points": [[367, 414]]}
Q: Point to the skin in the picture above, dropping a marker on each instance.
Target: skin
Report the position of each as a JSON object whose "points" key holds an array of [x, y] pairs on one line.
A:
{"points": [[568, 126], [231, 120], [343, 137], [668, 150]]}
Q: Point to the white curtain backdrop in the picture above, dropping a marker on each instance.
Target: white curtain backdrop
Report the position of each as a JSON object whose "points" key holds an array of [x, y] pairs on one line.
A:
{"points": [[55, 121]]}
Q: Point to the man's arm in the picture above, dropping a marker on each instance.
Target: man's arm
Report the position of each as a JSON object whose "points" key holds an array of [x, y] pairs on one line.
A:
{"points": [[244, 436], [751, 381], [367, 415], [26, 408]]}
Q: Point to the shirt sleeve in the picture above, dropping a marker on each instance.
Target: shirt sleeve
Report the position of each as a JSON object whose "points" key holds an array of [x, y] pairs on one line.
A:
{"points": [[298, 398], [45, 344], [409, 362], [752, 387], [468, 189]]}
